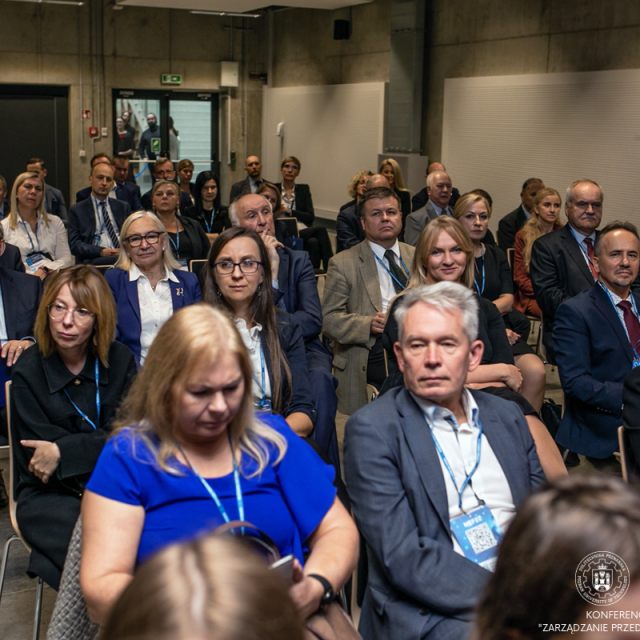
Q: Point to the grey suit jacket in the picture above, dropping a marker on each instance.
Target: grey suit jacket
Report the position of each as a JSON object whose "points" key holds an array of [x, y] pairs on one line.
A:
{"points": [[351, 298], [418, 585], [418, 220]]}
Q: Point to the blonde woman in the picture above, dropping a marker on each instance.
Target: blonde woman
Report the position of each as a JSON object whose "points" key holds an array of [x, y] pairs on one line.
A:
{"points": [[390, 169], [545, 218], [357, 186], [190, 416], [41, 238]]}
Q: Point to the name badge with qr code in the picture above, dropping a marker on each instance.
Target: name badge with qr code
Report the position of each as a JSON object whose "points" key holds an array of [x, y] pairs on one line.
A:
{"points": [[479, 536]]}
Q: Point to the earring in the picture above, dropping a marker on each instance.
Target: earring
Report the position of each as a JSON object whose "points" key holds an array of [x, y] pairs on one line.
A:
{"points": [[259, 288], [219, 293]]}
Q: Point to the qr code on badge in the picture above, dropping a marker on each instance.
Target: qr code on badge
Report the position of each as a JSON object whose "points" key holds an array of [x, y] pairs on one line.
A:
{"points": [[481, 538]]}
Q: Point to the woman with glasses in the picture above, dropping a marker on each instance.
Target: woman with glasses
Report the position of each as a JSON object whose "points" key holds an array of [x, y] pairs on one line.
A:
{"points": [[207, 210], [41, 238], [64, 395], [147, 283], [238, 278], [187, 239]]}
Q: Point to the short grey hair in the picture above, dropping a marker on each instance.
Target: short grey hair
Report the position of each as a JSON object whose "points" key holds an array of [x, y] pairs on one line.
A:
{"points": [[431, 178], [233, 209], [569, 197], [441, 296]]}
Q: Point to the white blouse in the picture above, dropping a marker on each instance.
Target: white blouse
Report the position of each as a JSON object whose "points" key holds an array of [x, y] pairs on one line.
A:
{"points": [[251, 339], [51, 237]]}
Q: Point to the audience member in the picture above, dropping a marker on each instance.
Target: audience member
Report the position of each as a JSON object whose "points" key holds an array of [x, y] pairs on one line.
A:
{"points": [[213, 588], [124, 190], [357, 187], [390, 169], [413, 496], [349, 231], [597, 341], [98, 158], [562, 262], [185, 173], [422, 197], [94, 224], [250, 184], [273, 195], [124, 139], [187, 237], [147, 283], [4, 203], [493, 281], [514, 221], [439, 190], [360, 284], [40, 238], [548, 548], [295, 291], [544, 219], [163, 169], [238, 266], [63, 398], [190, 416], [445, 253], [145, 148], [207, 210], [54, 203], [296, 201]]}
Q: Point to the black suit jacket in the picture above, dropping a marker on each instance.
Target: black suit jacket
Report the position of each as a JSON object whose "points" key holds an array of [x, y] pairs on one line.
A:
{"points": [[349, 231], [631, 420], [509, 226], [239, 189], [82, 227], [127, 192], [12, 258], [304, 205], [20, 299], [421, 198]]}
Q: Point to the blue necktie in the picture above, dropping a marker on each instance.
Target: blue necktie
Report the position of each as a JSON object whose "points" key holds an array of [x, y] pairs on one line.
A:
{"points": [[113, 236]]}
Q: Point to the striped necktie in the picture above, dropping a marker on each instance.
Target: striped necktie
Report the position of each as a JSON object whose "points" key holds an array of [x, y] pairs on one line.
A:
{"points": [[113, 236]]}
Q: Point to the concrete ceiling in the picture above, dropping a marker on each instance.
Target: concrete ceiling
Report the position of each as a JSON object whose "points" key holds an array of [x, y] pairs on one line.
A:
{"points": [[239, 6]]}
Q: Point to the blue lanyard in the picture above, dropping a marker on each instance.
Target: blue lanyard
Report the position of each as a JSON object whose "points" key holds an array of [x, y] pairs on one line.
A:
{"points": [[480, 291], [262, 386], [26, 228], [213, 494], [448, 466], [384, 266], [176, 247], [209, 225], [624, 326], [77, 408]]}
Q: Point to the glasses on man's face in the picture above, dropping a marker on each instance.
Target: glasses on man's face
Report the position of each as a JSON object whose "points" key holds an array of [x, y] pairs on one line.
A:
{"points": [[136, 239], [58, 311], [226, 267]]}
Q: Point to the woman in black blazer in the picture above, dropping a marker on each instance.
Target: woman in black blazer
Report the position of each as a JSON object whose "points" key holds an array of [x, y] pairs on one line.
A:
{"points": [[207, 210], [238, 278], [296, 200], [186, 237]]}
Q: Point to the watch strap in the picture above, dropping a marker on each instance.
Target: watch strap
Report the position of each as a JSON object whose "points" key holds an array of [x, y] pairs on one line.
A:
{"points": [[328, 595]]}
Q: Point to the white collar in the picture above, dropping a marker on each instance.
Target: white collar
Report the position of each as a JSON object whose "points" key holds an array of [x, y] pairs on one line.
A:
{"points": [[135, 274], [254, 332], [380, 251], [437, 415]]}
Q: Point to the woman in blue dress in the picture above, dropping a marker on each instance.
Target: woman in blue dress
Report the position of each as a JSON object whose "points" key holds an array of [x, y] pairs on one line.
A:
{"points": [[191, 453]]}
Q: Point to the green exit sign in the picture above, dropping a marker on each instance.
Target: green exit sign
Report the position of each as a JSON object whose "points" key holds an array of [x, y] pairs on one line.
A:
{"points": [[171, 78]]}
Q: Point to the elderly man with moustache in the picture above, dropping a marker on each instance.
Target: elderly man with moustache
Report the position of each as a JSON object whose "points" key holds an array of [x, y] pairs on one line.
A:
{"points": [[435, 473]]}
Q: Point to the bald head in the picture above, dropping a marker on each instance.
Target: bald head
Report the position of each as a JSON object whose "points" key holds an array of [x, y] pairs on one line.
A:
{"points": [[253, 167], [377, 180], [435, 166], [254, 212]]}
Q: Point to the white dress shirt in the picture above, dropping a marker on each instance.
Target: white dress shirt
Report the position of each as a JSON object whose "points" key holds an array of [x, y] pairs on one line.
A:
{"points": [[4, 338], [51, 237], [251, 339], [102, 235], [156, 307], [459, 444], [387, 290]]}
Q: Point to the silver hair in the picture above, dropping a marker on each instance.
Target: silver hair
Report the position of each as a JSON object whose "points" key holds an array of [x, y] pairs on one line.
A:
{"points": [[431, 178], [569, 196], [443, 295], [233, 209]]}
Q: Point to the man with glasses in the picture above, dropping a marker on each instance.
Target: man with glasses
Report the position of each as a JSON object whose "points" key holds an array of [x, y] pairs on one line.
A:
{"points": [[94, 224], [163, 169]]}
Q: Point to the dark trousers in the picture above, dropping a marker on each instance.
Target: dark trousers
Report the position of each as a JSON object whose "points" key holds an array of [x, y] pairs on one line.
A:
{"points": [[376, 370], [317, 245]]}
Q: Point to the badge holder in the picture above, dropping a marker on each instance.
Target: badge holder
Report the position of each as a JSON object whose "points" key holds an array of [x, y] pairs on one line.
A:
{"points": [[479, 536]]}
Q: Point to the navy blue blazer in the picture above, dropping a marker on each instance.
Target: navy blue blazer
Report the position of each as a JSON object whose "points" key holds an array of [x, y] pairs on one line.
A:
{"points": [[82, 227], [594, 356], [349, 231], [125, 293], [127, 192], [418, 584]]}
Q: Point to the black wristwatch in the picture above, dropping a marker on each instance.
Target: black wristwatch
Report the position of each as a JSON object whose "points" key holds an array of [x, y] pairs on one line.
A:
{"points": [[328, 595]]}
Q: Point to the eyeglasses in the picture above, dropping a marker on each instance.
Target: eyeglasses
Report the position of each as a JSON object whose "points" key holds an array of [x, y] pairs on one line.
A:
{"points": [[226, 267], [136, 240], [58, 311], [584, 205]]}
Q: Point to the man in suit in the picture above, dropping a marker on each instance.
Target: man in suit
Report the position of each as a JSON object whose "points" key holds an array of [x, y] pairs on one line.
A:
{"points": [[94, 224], [514, 221], [349, 231], [4, 203], [562, 262], [439, 190], [429, 465], [422, 197], [597, 342], [163, 169], [85, 193], [121, 190], [53, 198], [360, 284], [250, 184], [295, 291]]}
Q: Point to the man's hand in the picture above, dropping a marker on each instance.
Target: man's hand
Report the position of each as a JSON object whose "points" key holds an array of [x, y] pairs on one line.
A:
{"points": [[45, 458], [272, 246], [14, 349], [109, 253], [378, 322]]}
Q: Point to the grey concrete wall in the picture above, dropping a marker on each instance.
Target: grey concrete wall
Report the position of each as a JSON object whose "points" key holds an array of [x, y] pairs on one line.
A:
{"points": [[40, 44]]}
